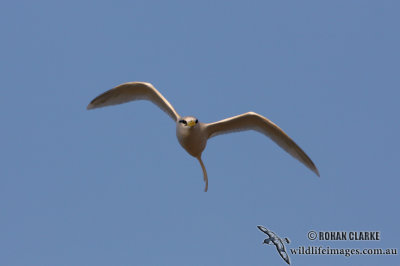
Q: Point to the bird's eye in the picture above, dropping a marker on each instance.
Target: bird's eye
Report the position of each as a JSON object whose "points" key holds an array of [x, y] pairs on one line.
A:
{"points": [[197, 121], [183, 122]]}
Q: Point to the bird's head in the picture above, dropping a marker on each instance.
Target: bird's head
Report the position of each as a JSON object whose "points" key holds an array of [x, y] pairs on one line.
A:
{"points": [[267, 241], [188, 121]]}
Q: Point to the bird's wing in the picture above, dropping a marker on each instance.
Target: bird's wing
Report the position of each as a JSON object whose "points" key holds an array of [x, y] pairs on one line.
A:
{"points": [[282, 252], [132, 91], [284, 255], [254, 121], [266, 231]]}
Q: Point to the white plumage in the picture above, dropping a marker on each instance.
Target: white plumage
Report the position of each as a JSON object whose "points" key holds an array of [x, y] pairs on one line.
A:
{"points": [[191, 133]]}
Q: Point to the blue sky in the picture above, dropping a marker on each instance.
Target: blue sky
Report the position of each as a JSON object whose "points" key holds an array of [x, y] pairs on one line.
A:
{"points": [[113, 187]]}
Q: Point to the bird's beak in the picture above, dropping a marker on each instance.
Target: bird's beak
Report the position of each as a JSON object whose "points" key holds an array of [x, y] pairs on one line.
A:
{"points": [[191, 123]]}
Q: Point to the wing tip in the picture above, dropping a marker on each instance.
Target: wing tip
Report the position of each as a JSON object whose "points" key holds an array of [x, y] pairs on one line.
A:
{"points": [[316, 172], [90, 106], [261, 228]]}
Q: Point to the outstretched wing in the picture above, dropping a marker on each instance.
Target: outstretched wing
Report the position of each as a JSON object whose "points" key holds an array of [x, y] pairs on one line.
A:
{"points": [[133, 91], [283, 254], [266, 231], [254, 121]]}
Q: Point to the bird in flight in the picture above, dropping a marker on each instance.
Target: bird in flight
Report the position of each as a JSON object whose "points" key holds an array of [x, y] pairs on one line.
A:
{"points": [[191, 133], [277, 241]]}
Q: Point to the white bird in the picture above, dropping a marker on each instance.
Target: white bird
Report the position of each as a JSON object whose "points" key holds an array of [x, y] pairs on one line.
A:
{"points": [[191, 133]]}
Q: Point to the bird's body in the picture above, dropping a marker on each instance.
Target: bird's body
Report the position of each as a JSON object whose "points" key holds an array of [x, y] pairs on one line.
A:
{"points": [[192, 134], [192, 138]]}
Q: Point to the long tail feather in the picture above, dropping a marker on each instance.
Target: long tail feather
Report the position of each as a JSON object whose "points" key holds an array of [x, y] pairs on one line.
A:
{"points": [[204, 173]]}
